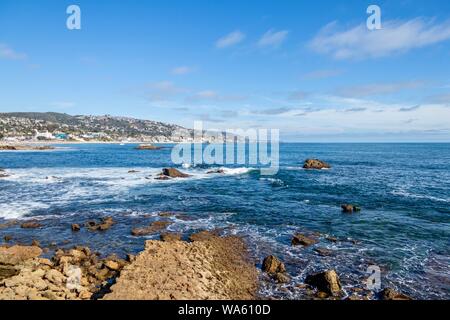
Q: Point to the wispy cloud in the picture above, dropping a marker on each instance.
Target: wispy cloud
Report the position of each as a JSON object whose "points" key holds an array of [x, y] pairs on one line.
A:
{"points": [[273, 38], [182, 70], [395, 37], [230, 39], [378, 89], [163, 90], [8, 53], [408, 109], [272, 111]]}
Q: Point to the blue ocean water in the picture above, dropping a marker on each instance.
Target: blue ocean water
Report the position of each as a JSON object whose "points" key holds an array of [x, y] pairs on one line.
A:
{"points": [[403, 189]]}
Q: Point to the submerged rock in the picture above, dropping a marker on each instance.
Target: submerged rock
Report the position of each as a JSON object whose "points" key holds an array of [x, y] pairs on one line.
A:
{"points": [[272, 264], [350, 208], [156, 226], [300, 239], [323, 251], [174, 173], [104, 225], [30, 225], [315, 164], [391, 294], [327, 281]]}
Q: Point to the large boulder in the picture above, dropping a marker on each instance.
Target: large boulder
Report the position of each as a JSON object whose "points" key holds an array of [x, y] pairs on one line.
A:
{"points": [[391, 294], [315, 164], [327, 281], [273, 265], [17, 254], [300, 239]]}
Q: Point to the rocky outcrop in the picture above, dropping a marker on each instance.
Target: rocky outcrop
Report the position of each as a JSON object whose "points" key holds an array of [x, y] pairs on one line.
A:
{"points": [[391, 294], [214, 269], [174, 173], [104, 225], [315, 164], [204, 235], [350, 208], [300, 239], [147, 147], [327, 281], [3, 173], [75, 227], [167, 237], [18, 254], [156, 226], [30, 225], [25, 148], [272, 265]]}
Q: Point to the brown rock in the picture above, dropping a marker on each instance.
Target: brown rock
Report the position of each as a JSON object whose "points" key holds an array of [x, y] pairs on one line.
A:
{"points": [[323, 251], [112, 265], [391, 294], [35, 243], [18, 254], [272, 264], [30, 225], [299, 239], [281, 277], [147, 147], [153, 228], [75, 227], [350, 208], [8, 224], [170, 237], [327, 282], [315, 164], [162, 177], [7, 238], [104, 225], [174, 173], [203, 236]]}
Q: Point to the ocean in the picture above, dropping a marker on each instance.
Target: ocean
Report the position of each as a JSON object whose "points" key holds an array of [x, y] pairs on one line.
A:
{"points": [[403, 190]]}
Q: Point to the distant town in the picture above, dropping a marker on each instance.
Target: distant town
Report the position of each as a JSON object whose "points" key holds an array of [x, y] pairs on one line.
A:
{"points": [[25, 127]]}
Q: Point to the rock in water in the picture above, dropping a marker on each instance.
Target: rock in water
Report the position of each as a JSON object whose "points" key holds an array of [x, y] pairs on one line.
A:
{"points": [[75, 227], [391, 294], [154, 227], [147, 147], [104, 225], [174, 173], [316, 164], [30, 225], [272, 264], [350, 208], [327, 281], [299, 239], [167, 237]]}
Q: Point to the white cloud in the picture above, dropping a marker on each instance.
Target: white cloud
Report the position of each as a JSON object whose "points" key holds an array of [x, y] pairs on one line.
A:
{"points": [[230, 39], [395, 37], [272, 38], [378, 89], [182, 70], [8, 53]]}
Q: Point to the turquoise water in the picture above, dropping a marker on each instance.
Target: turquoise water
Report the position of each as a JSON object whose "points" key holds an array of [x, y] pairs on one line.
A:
{"points": [[403, 189]]}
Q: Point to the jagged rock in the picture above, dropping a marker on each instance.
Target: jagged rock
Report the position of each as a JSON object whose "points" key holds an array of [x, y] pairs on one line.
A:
{"points": [[327, 281], [350, 208], [299, 239], [30, 225], [104, 225], [323, 251], [8, 271], [112, 265], [18, 254], [280, 277], [391, 294], [7, 238], [174, 173], [35, 243], [156, 226], [167, 237], [75, 227], [272, 264], [315, 164]]}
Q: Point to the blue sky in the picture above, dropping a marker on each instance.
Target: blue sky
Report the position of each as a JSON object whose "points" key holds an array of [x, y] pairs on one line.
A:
{"points": [[311, 69]]}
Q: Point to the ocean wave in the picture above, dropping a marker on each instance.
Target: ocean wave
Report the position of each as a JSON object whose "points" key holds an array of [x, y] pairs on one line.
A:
{"points": [[406, 194]]}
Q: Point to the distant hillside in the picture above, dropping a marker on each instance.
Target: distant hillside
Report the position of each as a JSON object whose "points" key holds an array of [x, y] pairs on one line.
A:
{"points": [[28, 124]]}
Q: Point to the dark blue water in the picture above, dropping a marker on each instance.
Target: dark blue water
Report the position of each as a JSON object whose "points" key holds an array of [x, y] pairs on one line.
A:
{"points": [[404, 191]]}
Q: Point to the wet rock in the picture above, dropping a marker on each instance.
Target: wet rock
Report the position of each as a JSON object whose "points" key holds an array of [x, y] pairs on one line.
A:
{"points": [[8, 224], [35, 243], [272, 265], [166, 214], [391, 294], [75, 227], [350, 208], [218, 171], [281, 277], [104, 225], [323, 251], [327, 281], [156, 226], [133, 171], [331, 239], [203, 236], [147, 147], [174, 173], [7, 238], [30, 225], [18, 254], [315, 164], [167, 237], [300, 239], [162, 177], [322, 295]]}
